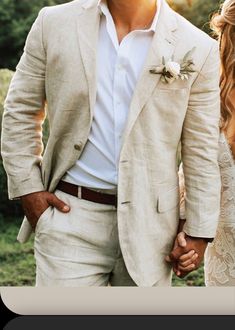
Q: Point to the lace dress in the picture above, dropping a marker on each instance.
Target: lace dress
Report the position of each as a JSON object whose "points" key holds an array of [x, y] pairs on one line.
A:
{"points": [[220, 255]]}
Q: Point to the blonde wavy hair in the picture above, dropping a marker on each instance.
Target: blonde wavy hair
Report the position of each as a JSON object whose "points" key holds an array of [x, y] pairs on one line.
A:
{"points": [[223, 24]]}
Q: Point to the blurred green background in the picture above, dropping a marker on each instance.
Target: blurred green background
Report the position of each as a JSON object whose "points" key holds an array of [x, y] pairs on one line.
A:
{"points": [[17, 266]]}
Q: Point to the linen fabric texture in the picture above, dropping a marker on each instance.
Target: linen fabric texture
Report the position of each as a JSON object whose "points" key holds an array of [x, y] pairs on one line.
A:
{"points": [[58, 67]]}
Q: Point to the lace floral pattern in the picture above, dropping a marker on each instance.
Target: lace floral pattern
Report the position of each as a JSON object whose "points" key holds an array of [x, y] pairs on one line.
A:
{"points": [[220, 258], [220, 255]]}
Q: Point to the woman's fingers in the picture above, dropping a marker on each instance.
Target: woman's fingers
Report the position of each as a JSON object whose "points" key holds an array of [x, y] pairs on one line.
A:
{"points": [[186, 256], [189, 261], [181, 238], [187, 269]]}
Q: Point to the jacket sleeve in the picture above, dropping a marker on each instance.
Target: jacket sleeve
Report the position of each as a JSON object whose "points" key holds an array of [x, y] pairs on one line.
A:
{"points": [[23, 116], [200, 151]]}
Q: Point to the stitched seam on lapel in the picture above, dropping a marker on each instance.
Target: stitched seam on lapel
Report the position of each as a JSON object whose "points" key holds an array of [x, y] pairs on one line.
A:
{"points": [[91, 14]]}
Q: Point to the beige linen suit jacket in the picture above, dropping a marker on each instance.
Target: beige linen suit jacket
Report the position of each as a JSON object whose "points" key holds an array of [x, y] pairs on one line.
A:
{"points": [[59, 67]]}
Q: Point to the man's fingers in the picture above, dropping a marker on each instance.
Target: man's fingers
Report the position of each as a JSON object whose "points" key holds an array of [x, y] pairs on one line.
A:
{"points": [[182, 274], [189, 261], [177, 272], [177, 253], [57, 203], [168, 259], [175, 269], [181, 239], [186, 256]]}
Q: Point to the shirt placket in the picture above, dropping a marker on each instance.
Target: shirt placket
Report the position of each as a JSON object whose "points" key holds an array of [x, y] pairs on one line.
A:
{"points": [[121, 104], [119, 108]]}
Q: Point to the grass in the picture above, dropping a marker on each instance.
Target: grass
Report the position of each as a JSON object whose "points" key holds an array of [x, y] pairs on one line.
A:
{"points": [[195, 278], [17, 264]]}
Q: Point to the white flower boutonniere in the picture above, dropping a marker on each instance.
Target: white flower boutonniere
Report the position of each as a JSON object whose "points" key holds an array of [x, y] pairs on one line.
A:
{"points": [[171, 70]]}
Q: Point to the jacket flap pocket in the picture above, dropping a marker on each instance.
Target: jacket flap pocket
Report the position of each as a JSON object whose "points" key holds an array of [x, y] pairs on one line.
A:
{"points": [[168, 200]]}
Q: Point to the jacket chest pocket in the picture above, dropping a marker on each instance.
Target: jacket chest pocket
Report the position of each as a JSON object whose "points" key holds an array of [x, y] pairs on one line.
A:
{"points": [[164, 114]]}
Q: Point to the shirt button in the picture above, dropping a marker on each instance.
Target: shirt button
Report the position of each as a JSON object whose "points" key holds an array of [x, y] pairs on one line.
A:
{"points": [[78, 146]]}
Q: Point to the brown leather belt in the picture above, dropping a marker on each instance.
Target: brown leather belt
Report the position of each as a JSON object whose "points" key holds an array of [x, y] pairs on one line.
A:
{"points": [[88, 194]]}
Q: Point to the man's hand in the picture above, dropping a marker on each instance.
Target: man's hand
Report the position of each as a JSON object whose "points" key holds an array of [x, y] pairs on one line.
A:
{"points": [[36, 203], [187, 257], [186, 260]]}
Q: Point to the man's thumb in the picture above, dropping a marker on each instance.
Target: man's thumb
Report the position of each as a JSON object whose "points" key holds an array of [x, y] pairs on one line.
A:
{"points": [[59, 204]]}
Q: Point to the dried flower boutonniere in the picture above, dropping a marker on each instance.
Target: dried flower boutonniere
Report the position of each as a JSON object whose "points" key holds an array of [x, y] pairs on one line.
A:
{"points": [[171, 70]]}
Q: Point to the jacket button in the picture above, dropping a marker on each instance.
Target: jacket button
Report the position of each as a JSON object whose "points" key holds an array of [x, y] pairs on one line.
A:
{"points": [[78, 146]]}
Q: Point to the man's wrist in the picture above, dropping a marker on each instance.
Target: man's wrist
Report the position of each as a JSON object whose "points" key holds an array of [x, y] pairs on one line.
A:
{"points": [[181, 225], [31, 193], [206, 239]]}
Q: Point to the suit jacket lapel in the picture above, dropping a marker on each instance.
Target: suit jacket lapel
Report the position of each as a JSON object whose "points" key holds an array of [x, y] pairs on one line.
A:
{"points": [[163, 44], [88, 33]]}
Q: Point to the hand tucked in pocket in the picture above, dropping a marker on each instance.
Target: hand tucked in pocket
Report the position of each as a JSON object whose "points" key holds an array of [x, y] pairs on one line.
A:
{"points": [[35, 204]]}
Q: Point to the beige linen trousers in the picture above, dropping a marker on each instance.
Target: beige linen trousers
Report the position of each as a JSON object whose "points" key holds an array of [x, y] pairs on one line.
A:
{"points": [[58, 68], [79, 248]]}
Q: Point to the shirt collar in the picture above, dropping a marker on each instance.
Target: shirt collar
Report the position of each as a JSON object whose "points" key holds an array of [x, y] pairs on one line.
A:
{"points": [[102, 5]]}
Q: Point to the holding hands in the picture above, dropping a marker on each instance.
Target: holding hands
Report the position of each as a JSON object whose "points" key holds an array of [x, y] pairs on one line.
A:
{"points": [[187, 254]]}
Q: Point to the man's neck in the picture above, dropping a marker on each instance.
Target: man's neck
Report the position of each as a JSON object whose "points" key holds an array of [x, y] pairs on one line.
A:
{"points": [[132, 14]]}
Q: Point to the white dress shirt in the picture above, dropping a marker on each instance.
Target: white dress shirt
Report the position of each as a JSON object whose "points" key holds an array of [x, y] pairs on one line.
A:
{"points": [[118, 69]]}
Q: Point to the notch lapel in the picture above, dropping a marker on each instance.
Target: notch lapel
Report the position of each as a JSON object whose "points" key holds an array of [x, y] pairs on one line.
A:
{"points": [[163, 44], [88, 34]]}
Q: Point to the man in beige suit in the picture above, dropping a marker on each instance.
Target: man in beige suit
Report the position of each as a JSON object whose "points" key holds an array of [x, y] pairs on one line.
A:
{"points": [[124, 84]]}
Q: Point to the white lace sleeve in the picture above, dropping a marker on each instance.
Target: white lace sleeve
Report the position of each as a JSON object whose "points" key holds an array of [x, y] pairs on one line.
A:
{"points": [[220, 255]]}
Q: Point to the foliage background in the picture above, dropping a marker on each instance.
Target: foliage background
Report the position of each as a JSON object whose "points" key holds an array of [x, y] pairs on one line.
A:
{"points": [[17, 265], [16, 18]]}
